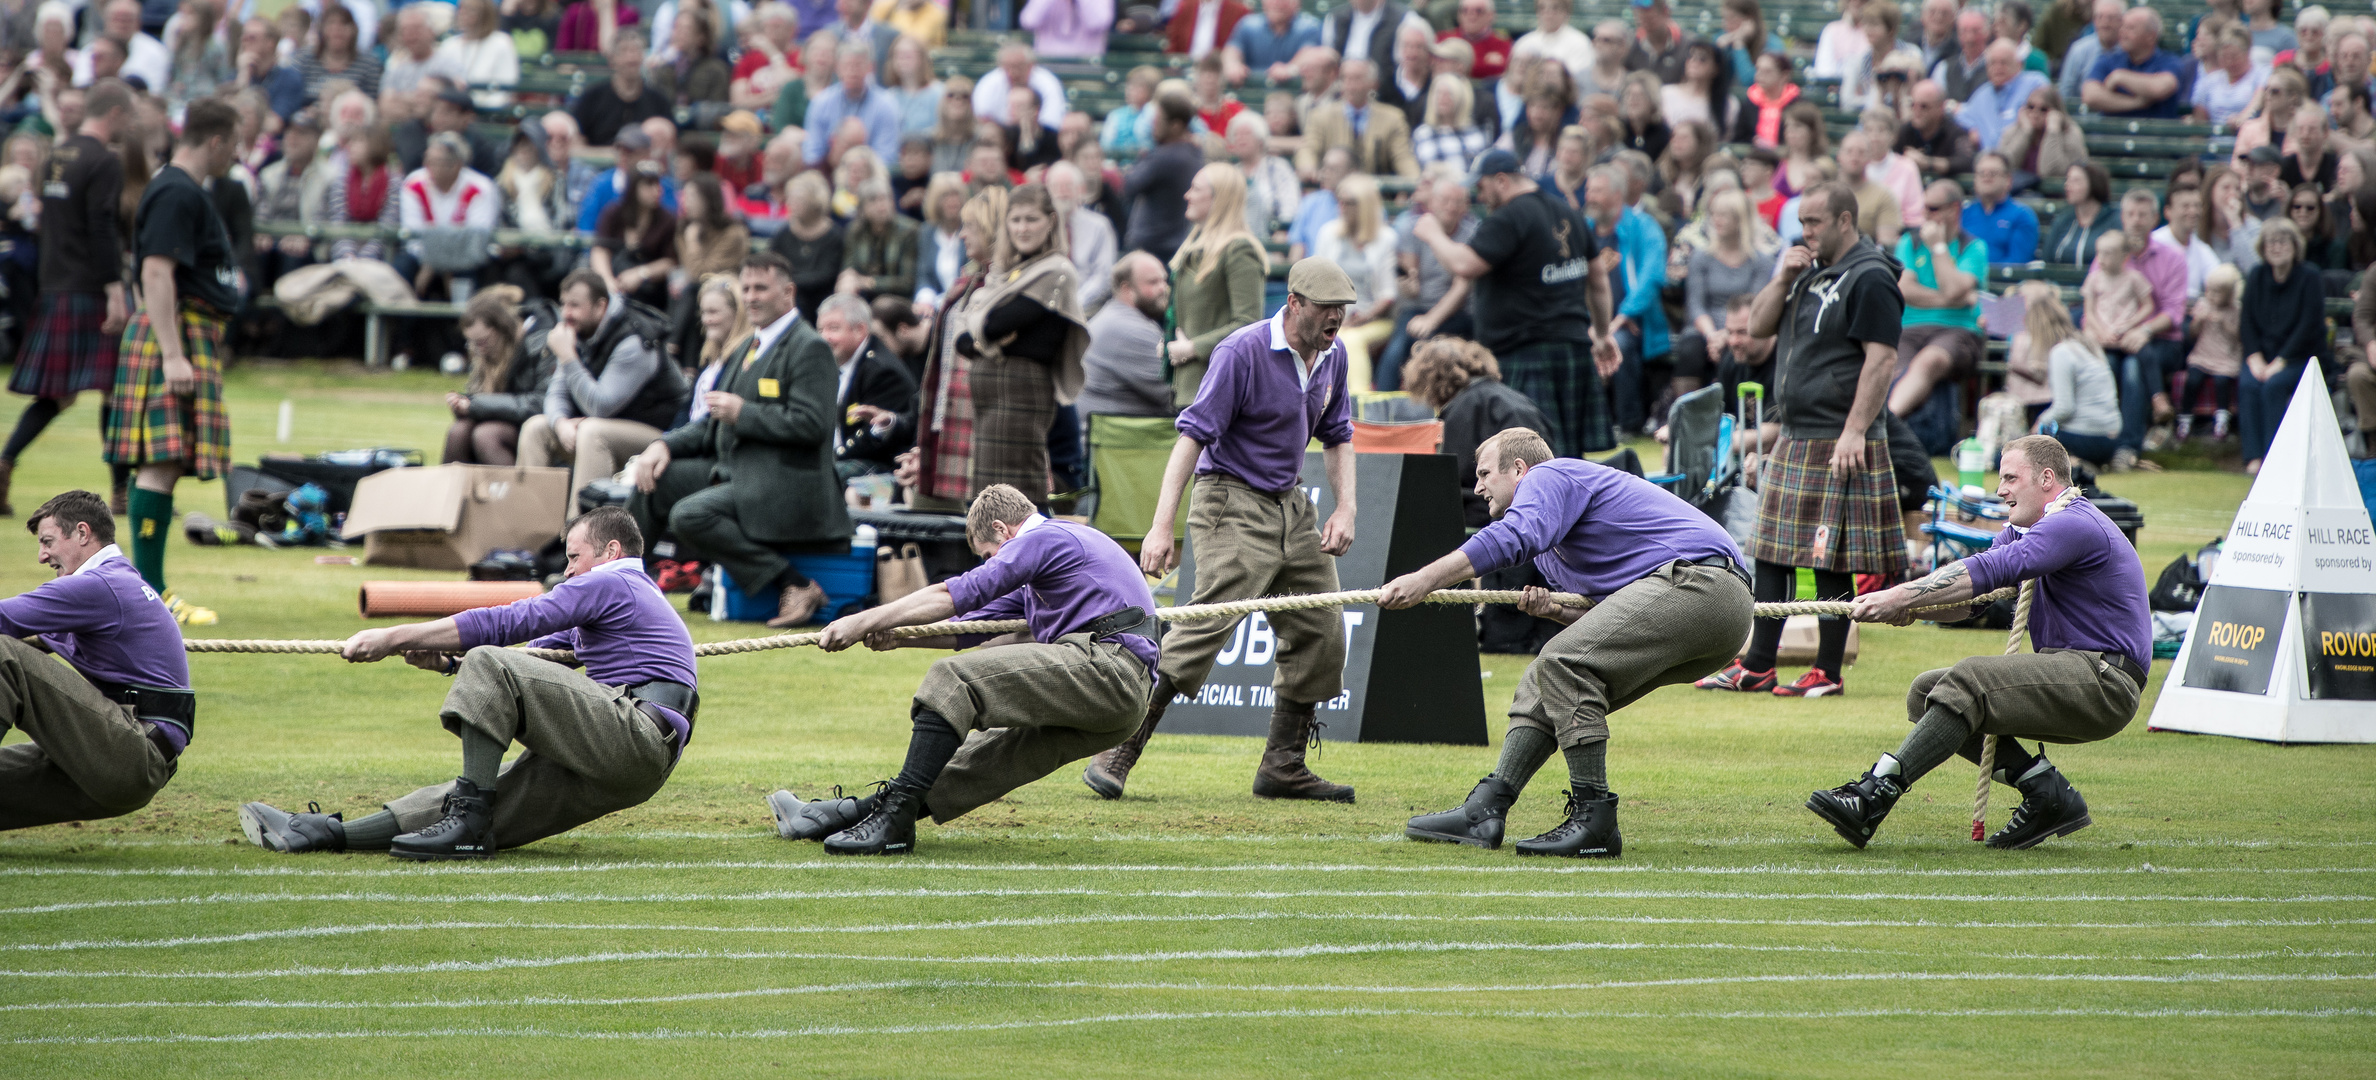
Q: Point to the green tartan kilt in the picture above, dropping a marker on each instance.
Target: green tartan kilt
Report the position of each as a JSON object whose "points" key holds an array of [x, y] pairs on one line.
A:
{"points": [[145, 424]]}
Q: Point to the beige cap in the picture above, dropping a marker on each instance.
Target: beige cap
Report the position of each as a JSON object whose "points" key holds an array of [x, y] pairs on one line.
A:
{"points": [[1453, 48], [741, 122], [1321, 282]]}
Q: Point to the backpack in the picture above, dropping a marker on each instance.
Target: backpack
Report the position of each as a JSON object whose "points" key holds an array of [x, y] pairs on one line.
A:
{"points": [[2180, 586]]}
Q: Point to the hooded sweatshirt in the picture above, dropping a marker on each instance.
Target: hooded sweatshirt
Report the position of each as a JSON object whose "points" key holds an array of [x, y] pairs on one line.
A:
{"points": [[1828, 315]]}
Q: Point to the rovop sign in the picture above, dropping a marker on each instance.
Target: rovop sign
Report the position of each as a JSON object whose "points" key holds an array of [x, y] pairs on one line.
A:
{"points": [[1410, 676]]}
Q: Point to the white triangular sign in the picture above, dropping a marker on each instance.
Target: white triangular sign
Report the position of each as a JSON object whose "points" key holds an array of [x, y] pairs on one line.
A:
{"points": [[2284, 641]]}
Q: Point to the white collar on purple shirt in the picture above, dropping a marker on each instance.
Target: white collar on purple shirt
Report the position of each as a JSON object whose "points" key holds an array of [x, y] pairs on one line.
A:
{"points": [[1303, 368], [627, 565], [102, 555]]}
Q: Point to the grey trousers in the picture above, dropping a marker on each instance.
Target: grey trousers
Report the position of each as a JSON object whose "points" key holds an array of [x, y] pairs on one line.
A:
{"points": [[1675, 625], [1036, 708], [89, 759], [1250, 544], [2057, 696], [702, 517], [590, 751]]}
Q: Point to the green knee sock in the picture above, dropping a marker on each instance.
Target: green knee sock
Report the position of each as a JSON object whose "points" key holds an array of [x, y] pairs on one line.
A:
{"points": [[1934, 739], [481, 756], [1588, 767], [152, 521], [372, 833], [1523, 751]]}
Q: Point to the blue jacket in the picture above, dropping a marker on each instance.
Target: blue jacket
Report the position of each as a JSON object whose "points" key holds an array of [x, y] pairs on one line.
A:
{"points": [[1641, 244]]}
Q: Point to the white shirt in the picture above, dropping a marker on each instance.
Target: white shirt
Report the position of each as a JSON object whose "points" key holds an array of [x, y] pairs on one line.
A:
{"points": [[491, 59], [147, 58], [2199, 259], [766, 336], [1567, 45], [1303, 367], [473, 201], [990, 96], [100, 556], [1360, 28], [1208, 20]]}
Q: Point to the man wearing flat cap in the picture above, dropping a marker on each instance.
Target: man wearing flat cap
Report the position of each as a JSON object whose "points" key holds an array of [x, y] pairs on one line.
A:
{"points": [[1271, 388]]}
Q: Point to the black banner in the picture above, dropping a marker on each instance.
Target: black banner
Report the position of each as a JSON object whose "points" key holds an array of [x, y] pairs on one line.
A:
{"points": [[2235, 639], [2339, 645]]}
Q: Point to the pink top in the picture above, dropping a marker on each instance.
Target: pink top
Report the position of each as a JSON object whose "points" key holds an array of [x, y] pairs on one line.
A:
{"points": [[2217, 350], [1063, 28], [581, 30], [2116, 301], [2165, 267]]}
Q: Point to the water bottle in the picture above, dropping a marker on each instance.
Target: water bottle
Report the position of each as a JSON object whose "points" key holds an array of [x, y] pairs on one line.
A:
{"points": [[863, 540], [1971, 463]]}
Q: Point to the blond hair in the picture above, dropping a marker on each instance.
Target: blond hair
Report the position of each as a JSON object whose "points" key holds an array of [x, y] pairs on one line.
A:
{"points": [[1224, 223], [2225, 282], [730, 287], [1512, 445], [1361, 210], [2048, 323], [1464, 102], [996, 504], [985, 211]]}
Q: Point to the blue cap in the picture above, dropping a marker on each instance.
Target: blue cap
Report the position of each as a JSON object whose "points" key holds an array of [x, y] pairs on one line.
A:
{"points": [[1494, 162]]}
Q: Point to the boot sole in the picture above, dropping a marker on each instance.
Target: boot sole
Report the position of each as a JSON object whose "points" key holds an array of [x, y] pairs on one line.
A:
{"points": [[250, 825], [1105, 786], [1847, 831], [440, 856], [1588, 853], [1347, 797], [1449, 838], [783, 817], [902, 849], [2064, 829]]}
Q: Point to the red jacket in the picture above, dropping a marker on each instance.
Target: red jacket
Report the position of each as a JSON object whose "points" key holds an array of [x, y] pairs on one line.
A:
{"points": [[1183, 25]]}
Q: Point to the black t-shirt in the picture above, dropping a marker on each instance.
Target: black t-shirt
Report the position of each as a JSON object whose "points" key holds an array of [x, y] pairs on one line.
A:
{"points": [[1540, 250], [1830, 314], [80, 188], [600, 113], [815, 266], [2289, 172], [177, 219]]}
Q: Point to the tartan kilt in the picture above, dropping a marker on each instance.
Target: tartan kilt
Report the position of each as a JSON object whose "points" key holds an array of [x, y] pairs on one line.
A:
{"points": [[65, 353], [145, 424], [1014, 402], [1799, 493], [1559, 377]]}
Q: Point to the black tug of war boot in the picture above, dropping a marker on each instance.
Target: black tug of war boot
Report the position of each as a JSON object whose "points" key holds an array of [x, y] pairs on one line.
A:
{"points": [[467, 831], [1478, 822], [1590, 831], [889, 830], [1282, 774], [1108, 771], [2050, 807]]}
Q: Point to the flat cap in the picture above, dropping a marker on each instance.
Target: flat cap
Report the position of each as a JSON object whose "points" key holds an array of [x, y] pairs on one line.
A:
{"points": [[1321, 282], [2264, 154]]}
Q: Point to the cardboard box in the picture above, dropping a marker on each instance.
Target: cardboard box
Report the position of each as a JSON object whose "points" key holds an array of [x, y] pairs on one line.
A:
{"points": [[450, 516]]}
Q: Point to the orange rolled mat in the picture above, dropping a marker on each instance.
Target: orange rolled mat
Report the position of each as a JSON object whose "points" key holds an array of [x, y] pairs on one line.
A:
{"points": [[437, 599]]}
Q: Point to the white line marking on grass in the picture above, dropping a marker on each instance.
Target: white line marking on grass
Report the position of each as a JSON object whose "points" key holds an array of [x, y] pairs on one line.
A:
{"points": [[1760, 870], [1175, 894], [547, 1001], [761, 832], [1026, 922], [673, 1035], [1293, 952]]}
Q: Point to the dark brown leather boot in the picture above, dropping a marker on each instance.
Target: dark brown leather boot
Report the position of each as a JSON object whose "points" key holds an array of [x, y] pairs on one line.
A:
{"points": [[1107, 772], [7, 473], [1282, 774], [119, 502]]}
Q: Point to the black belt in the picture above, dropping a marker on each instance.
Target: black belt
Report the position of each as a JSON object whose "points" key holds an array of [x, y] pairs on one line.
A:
{"points": [[676, 697], [158, 706], [1727, 562], [1129, 620]]}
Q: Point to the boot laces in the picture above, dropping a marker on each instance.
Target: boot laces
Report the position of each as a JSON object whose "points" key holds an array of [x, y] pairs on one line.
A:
{"points": [[1312, 728]]}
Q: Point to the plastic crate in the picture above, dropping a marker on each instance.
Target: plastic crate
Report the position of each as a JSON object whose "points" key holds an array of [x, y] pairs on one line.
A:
{"points": [[848, 580]]}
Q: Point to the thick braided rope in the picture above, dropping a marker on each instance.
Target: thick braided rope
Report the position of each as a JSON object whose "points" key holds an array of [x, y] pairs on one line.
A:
{"points": [[2021, 617], [1185, 613]]}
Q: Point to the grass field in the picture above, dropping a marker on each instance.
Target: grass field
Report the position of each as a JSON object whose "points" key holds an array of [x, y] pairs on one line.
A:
{"points": [[2216, 921]]}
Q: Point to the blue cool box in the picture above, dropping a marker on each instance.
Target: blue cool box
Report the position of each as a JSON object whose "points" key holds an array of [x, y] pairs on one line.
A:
{"points": [[848, 580]]}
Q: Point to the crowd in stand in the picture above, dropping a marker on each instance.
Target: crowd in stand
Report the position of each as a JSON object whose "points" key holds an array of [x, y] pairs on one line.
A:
{"points": [[989, 265]]}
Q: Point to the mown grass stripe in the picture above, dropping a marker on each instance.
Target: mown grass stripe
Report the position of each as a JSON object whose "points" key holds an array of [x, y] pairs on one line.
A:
{"points": [[673, 1035], [1586, 869]]}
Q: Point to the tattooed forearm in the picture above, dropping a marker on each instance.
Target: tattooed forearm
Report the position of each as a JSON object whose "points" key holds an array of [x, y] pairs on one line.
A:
{"points": [[1939, 580]]}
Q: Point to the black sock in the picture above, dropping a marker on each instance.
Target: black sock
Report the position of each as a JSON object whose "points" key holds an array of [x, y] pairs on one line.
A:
{"points": [[1588, 767], [372, 833], [1776, 584], [935, 741], [2011, 762], [30, 424], [1831, 642]]}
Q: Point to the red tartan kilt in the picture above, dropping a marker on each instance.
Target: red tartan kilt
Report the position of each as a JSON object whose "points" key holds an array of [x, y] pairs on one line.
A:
{"points": [[65, 351]]}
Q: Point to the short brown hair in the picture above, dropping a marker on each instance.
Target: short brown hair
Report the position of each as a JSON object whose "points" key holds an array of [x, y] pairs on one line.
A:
{"points": [[1838, 198], [609, 523], [73, 508], [996, 503], [2044, 454], [587, 279], [207, 119], [1441, 367], [1514, 445]]}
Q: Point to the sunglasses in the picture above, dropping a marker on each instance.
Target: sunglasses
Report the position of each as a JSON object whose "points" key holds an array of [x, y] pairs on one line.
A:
{"points": [[1938, 208], [2305, 208]]}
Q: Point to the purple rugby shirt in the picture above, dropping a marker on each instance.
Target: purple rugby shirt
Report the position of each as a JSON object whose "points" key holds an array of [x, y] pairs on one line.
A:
{"points": [[2091, 588], [1594, 530], [1058, 576], [1254, 413], [621, 626], [109, 624]]}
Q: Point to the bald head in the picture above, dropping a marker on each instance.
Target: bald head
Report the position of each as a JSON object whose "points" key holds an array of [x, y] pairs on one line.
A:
{"points": [[2004, 62]]}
